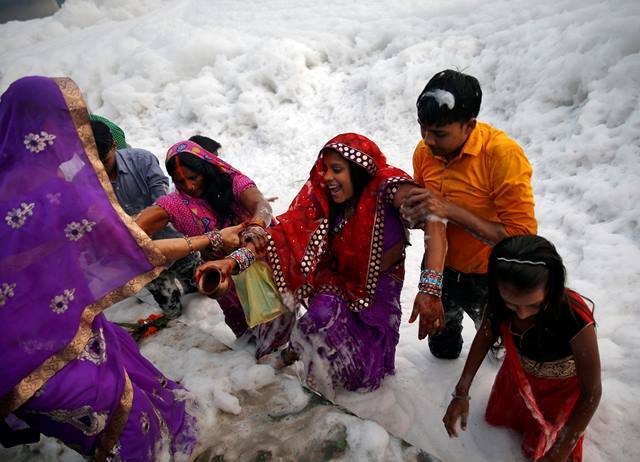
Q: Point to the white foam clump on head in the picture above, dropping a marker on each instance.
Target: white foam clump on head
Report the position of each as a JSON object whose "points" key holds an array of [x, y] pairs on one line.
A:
{"points": [[442, 97]]}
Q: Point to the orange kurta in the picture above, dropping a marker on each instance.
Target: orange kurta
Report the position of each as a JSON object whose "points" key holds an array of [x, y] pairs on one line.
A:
{"points": [[491, 178]]}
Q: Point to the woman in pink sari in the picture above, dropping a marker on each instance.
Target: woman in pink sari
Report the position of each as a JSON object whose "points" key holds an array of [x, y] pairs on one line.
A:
{"points": [[210, 195], [69, 252]]}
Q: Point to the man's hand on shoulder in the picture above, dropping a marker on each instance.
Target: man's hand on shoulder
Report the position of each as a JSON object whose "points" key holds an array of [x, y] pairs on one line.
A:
{"points": [[422, 202]]}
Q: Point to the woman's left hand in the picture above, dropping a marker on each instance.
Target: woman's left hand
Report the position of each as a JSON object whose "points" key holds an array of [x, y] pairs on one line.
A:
{"points": [[257, 236], [457, 409], [231, 236], [429, 309]]}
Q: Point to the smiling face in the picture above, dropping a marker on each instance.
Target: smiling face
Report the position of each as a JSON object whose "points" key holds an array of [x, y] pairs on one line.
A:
{"points": [[523, 303], [446, 140], [188, 181], [337, 174]]}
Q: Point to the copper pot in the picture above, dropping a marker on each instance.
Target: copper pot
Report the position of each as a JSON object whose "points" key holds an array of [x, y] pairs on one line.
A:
{"points": [[213, 283]]}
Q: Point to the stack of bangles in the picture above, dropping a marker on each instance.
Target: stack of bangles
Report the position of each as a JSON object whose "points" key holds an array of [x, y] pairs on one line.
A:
{"points": [[254, 224], [244, 257], [430, 283], [215, 238]]}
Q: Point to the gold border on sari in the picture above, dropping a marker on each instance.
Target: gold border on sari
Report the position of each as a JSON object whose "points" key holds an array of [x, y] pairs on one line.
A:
{"points": [[560, 369], [111, 434], [80, 117], [30, 384]]}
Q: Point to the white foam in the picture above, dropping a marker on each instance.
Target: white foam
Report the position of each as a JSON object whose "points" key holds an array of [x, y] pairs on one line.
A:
{"points": [[442, 97], [273, 81]]}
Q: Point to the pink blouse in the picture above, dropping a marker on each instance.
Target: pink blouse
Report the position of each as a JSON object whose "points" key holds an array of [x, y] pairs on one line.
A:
{"points": [[192, 216]]}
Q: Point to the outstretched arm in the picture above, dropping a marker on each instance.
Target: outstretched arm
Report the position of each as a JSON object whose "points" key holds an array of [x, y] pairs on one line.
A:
{"points": [[428, 304], [152, 219], [174, 249], [423, 202], [260, 209], [227, 266], [459, 405]]}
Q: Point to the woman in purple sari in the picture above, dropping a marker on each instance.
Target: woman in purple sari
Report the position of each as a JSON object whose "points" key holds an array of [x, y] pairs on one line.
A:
{"points": [[68, 252]]}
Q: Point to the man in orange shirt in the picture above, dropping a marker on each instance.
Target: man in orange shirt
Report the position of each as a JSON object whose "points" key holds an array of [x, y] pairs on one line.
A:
{"points": [[477, 179]]}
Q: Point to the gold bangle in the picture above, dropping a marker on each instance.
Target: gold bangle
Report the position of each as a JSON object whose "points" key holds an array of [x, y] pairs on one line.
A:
{"points": [[191, 250]]}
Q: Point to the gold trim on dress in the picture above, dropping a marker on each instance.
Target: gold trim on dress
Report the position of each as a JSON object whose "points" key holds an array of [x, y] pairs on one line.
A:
{"points": [[30, 384], [111, 434], [80, 117], [560, 369]]}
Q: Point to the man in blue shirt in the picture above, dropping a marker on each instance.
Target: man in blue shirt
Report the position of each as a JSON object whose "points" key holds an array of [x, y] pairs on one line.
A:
{"points": [[138, 180]]}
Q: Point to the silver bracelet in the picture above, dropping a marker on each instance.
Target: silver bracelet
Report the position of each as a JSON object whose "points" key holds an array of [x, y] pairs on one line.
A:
{"points": [[464, 397]]}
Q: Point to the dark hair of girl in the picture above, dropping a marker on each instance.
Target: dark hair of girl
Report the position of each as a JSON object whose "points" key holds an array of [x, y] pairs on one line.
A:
{"points": [[218, 186], [528, 276]]}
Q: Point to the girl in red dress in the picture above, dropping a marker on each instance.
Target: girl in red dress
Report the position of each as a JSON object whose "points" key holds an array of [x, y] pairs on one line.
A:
{"points": [[549, 384]]}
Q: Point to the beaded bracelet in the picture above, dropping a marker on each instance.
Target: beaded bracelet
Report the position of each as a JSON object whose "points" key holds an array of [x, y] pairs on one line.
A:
{"points": [[191, 249], [429, 275], [252, 224], [244, 257], [429, 289], [215, 239], [431, 282]]}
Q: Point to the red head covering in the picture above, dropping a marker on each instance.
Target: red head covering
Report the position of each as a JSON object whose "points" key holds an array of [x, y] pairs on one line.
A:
{"points": [[299, 254]]}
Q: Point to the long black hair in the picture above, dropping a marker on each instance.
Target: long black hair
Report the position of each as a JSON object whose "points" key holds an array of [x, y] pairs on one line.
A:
{"points": [[527, 263], [218, 186]]}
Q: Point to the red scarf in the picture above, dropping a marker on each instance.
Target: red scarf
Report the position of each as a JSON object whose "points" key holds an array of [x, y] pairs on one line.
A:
{"points": [[299, 254]]}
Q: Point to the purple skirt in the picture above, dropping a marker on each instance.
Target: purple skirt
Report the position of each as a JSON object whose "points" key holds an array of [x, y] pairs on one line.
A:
{"points": [[350, 350], [111, 398]]}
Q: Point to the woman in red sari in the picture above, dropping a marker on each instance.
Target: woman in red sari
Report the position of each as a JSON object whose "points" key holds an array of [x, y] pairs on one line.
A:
{"points": [[339, 251], [549, 384]]}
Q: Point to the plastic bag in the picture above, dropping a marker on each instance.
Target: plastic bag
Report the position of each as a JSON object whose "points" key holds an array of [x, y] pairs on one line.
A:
{"points": [[258, 295]]}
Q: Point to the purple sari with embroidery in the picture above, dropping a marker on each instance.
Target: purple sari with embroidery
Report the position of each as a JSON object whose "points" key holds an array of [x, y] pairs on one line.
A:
{"points": [[68, 252]]}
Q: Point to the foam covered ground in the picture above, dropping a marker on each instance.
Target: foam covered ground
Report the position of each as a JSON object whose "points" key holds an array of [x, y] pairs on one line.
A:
{"points": [[272, 81]]}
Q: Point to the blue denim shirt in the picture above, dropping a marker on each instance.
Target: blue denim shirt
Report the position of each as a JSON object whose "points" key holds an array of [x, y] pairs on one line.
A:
{"points": [[139, 182]]}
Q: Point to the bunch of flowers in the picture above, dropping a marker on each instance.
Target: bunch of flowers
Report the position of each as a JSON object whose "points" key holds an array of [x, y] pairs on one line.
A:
{"points": [[146, 327]]}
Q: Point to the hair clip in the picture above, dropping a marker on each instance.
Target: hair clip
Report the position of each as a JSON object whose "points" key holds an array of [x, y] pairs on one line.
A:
{"points": [[522, 262]]}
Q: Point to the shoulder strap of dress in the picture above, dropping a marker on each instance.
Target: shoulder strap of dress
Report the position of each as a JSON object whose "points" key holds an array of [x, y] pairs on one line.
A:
{"points": [[579, 306]]}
